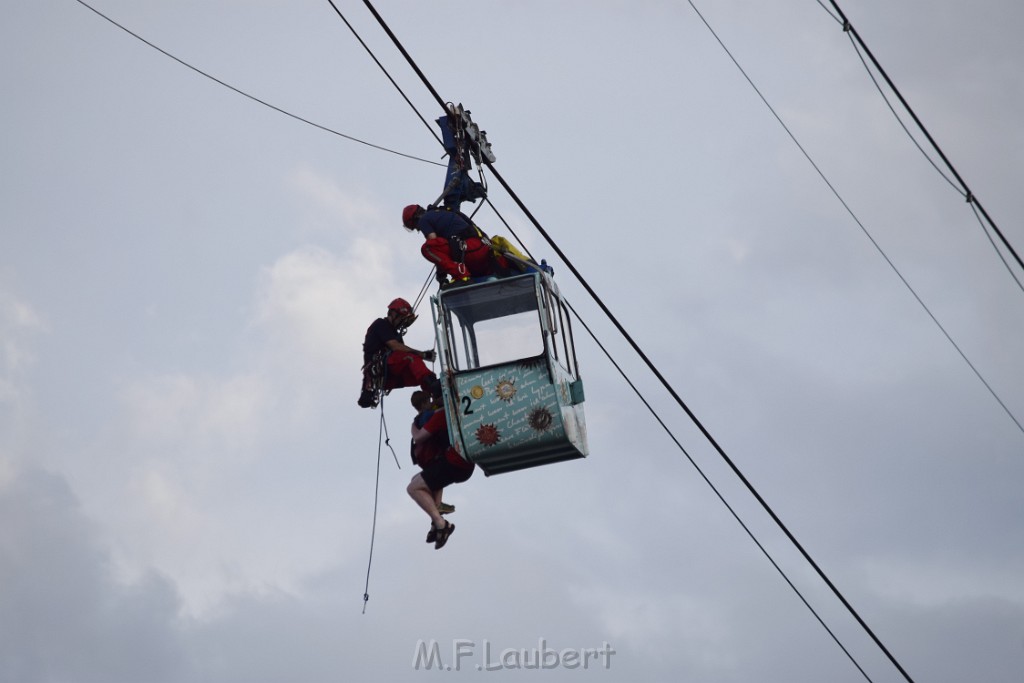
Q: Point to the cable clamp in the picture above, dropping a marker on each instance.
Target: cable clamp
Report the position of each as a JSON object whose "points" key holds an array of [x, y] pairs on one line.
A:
{"points": [[847, 26]]}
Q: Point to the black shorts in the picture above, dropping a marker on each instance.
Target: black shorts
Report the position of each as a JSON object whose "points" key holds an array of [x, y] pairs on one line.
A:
{"points": [[440, 473]]}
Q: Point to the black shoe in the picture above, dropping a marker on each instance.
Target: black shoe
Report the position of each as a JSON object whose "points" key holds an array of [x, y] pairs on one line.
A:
{"points": [[367, 399], [432, 534], [442, 534]]}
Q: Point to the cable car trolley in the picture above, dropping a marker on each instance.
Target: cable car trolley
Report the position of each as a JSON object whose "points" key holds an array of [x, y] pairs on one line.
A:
{"points": [[512, 390]]}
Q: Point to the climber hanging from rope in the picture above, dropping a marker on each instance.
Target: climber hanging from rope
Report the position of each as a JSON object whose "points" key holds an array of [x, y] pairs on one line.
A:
{"points": [[388, 363]]}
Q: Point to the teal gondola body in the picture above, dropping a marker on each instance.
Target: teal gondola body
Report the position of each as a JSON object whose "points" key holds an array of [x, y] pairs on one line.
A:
{"points": [[512, 390]]}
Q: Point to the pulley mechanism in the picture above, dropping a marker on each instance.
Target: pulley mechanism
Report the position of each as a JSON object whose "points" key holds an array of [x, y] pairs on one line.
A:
{"points": [[465, 144]]}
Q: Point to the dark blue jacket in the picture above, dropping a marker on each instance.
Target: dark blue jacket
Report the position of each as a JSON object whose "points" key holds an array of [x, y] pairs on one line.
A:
{"points": [[446, 224]]}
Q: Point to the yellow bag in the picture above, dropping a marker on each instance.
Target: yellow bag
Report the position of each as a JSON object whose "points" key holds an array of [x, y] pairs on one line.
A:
{"points": [[500, 245]]}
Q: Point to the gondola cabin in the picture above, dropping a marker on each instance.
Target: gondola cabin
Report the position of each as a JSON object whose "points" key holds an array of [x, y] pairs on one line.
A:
{"points": [[512, 389]]}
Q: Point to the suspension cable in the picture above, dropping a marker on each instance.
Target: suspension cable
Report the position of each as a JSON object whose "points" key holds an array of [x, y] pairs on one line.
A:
{"points": [[974, 205], [967, 193], [643, 356], [718, 494], [682, 449], [377, 61], [863, 228], [885, 98], [247, 95]]}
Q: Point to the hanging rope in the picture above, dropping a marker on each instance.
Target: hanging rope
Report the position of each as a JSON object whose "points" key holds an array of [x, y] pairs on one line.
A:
{"points": [[373, 526], [383, 439], [423, 289]]}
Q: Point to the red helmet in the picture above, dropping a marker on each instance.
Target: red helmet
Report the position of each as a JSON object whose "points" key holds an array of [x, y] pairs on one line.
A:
{"points": [[400, 305], [410, 213]]}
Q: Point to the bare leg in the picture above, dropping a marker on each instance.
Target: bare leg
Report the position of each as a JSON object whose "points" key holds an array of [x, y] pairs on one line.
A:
{"points": [[425, 498]]}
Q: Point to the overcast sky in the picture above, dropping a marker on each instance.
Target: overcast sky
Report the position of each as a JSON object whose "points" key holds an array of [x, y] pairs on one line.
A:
{"points": [[187, 484]]}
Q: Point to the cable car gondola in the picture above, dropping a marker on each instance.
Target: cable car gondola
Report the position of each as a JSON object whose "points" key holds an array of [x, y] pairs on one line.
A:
{"points": [[512, 390]]}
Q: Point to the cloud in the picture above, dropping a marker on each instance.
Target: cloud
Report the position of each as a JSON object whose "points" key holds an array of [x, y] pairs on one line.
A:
{"points": [[939, 584], [18, 322], [332, 206], [222, 413], [62, 616], [66, 615], [316, 305]]}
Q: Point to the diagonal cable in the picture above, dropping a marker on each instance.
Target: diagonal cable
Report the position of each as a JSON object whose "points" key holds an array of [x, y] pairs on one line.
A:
{"points": [[654, 369], [247, 95], [861, 225], [968, 194], [381, 66]]}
